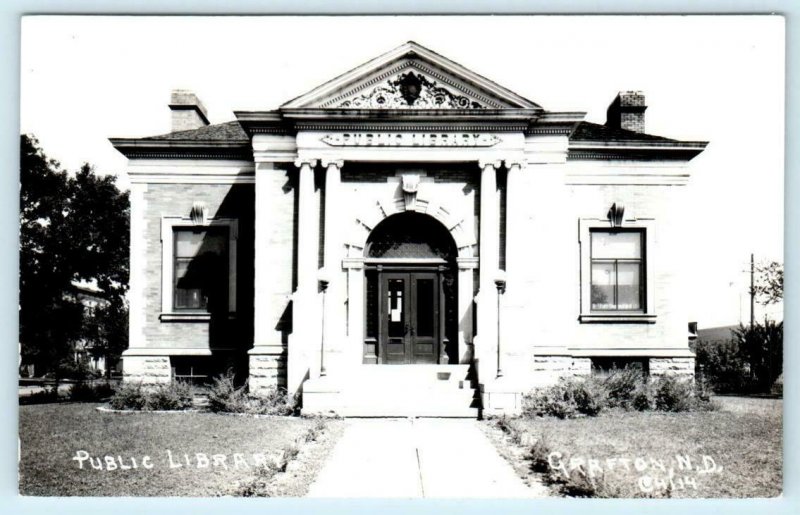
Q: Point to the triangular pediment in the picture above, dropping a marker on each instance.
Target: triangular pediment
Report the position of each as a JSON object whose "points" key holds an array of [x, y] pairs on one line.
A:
{"points": [[410, 77]]}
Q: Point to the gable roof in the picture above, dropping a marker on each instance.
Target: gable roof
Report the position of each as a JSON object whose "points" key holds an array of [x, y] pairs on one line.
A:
{"points": [[410, 56]]}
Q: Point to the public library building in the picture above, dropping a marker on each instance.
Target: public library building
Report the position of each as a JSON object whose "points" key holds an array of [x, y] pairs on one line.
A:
{"points": [[409, 238]]}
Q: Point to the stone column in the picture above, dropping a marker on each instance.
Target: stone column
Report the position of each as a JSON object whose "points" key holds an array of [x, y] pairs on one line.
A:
{"points": [[334, 303], [273, 279], [466, 268], [489, 253], [307, 228], [305, 313], [513, 319]]}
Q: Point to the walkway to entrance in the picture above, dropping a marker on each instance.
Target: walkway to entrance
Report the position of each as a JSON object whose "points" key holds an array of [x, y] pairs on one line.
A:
{"points": [[412, 458]]}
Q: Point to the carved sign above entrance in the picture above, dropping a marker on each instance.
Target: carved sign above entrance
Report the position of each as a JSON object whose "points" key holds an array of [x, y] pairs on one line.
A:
{"points": [[410, 139], [410, 91]]}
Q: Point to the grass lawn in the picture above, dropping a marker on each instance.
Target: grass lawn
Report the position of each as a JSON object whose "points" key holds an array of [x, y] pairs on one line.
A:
{"points": [[743, 439], [52, 434]]}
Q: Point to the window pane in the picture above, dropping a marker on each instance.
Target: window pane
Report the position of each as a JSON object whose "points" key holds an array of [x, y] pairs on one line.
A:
{"points": [[616, 245], [201, 269], [425, 312], [629, 291], [603, 279], [394, 307], [190, 243], [188, 293], [372, 304]]}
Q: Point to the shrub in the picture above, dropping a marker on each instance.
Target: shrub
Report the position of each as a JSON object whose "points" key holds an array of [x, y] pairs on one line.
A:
{"points": [[129, 396], [673, 394], [565, 399], [622, 385], [590, 395], [225, 396], [762, 347], [721, 363], [642, 397], [90, 392], [175, 395], [276, 401], [46, 395], [555, 401], [538, 454]]}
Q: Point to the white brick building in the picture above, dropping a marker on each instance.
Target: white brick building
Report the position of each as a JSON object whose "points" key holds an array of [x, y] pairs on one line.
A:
{"points": [[409, 212]]}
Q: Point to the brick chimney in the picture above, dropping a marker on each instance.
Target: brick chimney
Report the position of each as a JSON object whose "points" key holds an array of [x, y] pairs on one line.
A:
{"points": [[627, 111], [187, 111]]}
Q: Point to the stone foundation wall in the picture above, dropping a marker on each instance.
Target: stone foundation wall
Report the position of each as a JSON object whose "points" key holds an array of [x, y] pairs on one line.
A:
{"points": [[146, 369], [547, 370], [678, 367], [267, 372]]}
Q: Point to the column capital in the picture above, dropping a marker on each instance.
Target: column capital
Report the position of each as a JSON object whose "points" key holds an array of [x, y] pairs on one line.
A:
{"points": [[510, 163], [299, 162], [467, 263], [494, 163], [327, 163]]}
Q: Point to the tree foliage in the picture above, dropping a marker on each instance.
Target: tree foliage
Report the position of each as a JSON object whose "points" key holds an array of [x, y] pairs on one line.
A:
{"points": [[748, 362], [769, 283], [761, 346], [72, 228]]}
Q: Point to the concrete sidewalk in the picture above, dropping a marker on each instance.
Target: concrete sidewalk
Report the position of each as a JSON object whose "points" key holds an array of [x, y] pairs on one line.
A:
{"points": [[413, 458]]}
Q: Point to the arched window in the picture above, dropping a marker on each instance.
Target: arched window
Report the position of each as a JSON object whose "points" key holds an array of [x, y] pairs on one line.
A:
{"points": [[410, 235]]}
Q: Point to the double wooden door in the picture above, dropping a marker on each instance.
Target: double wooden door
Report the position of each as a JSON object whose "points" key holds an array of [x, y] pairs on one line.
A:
{"points": [[411, 320]]}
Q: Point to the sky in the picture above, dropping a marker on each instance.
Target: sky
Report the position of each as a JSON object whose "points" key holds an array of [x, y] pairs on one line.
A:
{"points": [[709, 78]]}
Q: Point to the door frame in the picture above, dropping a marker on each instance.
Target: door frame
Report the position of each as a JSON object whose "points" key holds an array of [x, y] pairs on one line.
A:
{"points": [[438, 267]]}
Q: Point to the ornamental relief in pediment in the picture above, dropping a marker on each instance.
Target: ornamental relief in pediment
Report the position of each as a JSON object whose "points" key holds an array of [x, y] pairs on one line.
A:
{"points": [[411, 90]]}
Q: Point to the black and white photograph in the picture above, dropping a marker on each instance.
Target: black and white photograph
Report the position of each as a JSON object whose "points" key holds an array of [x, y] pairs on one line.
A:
{"points": [[401, 257]]}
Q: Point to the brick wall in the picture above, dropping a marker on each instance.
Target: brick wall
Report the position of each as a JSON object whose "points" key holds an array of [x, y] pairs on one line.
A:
{"points": [[176, 200]]}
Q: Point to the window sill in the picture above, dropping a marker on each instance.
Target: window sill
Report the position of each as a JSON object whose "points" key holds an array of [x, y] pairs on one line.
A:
{"points": [[618, 318], [189, 316]]}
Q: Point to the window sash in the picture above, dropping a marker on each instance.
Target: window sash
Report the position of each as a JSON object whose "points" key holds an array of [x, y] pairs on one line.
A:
{"points": [[613, 294], [211, 278]]}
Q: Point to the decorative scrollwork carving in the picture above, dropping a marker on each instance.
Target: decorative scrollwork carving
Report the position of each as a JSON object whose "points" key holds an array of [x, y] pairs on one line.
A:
{"points": [[410, 91]]}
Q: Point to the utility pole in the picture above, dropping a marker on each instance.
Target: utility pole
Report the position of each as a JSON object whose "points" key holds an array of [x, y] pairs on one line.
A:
{"points": [[752, 292]]}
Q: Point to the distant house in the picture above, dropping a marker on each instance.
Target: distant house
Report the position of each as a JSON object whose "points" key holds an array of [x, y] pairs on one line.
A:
{"points": [[86, 350], [403, 234]]}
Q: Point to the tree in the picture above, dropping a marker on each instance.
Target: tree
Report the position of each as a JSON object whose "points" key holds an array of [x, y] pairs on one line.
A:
{"points": [[72, 228], [769, 283], [761, 346]]}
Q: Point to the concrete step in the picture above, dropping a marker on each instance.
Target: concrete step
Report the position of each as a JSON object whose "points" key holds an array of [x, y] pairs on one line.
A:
{"points": [[401, 411], [420, 397], [438, 372], [394, 391]]}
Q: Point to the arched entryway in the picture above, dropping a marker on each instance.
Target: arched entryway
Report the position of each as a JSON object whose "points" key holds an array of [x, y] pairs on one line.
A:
{"points": [[410, 292]]}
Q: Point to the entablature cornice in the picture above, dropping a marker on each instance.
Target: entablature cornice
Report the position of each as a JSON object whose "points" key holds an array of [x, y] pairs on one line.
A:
{"points": [[176, 149]]}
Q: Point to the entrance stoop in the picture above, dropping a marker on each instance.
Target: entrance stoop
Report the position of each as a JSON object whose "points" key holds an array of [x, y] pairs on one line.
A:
{"points": [[394, 391]]}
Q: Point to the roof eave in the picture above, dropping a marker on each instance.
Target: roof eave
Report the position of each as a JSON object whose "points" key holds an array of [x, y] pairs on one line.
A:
{"points": [[141, 148], [637, 150]]}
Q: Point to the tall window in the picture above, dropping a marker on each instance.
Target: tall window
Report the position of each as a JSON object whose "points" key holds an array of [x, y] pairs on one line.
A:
{"points": [[617, 270], [200, 269]]}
